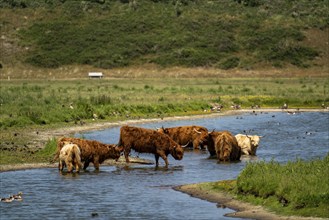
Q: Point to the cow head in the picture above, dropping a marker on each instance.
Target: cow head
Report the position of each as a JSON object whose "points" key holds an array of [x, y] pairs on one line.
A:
{"points": [[226, 154], [211, 142], [177, 152], [254, 142], [114, 151], [163, 130], [201, 135]]}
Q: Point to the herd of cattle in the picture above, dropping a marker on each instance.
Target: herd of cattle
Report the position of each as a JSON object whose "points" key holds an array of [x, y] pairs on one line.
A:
{"points": [[76, 153]]}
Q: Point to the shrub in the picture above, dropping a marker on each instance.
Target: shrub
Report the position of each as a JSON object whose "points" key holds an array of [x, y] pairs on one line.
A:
{"points": [[230, 63]]}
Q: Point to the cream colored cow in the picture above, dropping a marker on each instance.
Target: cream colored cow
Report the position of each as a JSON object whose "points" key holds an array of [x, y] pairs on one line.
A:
{"points": [[248, 143]]}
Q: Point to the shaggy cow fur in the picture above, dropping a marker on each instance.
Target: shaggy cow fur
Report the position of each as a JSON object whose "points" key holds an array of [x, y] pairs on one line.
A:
{"points": [[224, 145], [91, 151], [248, 143], [149, 141], [195, 136], [70, 157]]}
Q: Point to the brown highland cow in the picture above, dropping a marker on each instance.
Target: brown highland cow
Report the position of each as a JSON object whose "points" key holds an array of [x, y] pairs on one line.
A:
{"points": [[91, 151], [144, 140], [194, 136], [224, 145]]}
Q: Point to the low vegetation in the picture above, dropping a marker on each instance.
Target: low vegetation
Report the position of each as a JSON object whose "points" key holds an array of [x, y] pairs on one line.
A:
{"points": [[23, 155], [295, 188], [47, 103], [189, 33]]}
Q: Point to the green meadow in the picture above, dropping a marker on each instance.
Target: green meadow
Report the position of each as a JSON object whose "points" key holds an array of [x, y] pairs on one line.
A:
{"points": [[50, 102]]}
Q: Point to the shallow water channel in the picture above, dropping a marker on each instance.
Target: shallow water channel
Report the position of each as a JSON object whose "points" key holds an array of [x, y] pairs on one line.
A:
{"points": [[143, 192]]}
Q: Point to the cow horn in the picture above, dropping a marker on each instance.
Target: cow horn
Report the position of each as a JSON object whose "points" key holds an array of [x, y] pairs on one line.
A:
{"points": [[186, 145], [209, 132], [244, 131], [199, 132]]}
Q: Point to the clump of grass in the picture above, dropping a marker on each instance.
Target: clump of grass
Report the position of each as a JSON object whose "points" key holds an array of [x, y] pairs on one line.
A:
{"points": [[296, 187], [46, 154]]}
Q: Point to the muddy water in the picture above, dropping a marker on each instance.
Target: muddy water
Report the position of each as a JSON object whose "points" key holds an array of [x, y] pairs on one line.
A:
{"points": [[144, 192]]}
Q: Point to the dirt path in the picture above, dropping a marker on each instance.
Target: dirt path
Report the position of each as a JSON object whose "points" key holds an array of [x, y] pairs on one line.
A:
{"points": [[243, 209]]}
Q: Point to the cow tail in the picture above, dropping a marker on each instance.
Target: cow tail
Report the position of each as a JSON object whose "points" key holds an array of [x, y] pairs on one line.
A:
{"points": [[77, 155]]}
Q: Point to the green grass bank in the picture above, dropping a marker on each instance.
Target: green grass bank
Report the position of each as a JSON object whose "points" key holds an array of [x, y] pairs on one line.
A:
{"points": [[31, 107], [49, 102], [297, 188]]}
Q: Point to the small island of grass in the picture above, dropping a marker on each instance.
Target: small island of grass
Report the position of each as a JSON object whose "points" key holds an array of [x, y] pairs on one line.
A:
{"points": [[298, 188]]}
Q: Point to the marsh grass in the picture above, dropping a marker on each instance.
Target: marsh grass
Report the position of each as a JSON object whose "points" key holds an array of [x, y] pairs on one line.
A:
{"points": [[298, 187], [26, 103]]}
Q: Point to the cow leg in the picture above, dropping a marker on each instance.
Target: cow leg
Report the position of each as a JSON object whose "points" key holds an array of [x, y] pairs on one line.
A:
{"points": [[96, 162], [77, 167], [69, 167], [60, 165], [127, 152], [86, 164], [156, 160], [164, 157], [196, 144]]}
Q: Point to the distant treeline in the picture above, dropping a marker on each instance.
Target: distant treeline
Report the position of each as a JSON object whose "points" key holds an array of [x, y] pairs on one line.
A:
{"points": [[214, 33]]}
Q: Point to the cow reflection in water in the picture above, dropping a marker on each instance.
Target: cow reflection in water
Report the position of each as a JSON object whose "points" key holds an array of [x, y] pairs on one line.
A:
{"points": [[144, 140]]}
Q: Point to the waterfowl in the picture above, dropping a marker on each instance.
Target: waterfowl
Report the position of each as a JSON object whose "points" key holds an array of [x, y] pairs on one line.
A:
{"points": [[10, 199], [18, 197]]}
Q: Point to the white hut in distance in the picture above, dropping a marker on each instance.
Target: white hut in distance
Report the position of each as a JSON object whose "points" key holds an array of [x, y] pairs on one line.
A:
{"points": [[97, 75]]}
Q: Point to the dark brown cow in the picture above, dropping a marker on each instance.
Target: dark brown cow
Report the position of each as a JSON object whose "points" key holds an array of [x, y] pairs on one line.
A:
{"points": [[144, 140], [192, 135], [224, 145], [91, 151], [211, 142]]}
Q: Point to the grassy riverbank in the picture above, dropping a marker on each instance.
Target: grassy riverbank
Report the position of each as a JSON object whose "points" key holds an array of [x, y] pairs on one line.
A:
{"points": [[29, 108], [297, 188], [48, 102]]}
